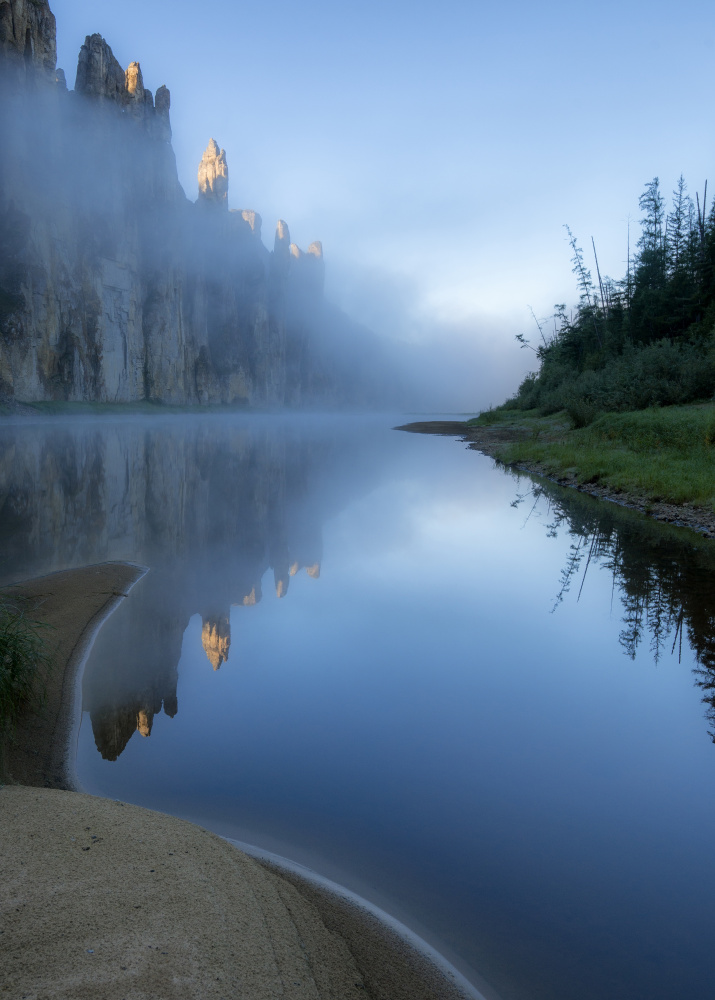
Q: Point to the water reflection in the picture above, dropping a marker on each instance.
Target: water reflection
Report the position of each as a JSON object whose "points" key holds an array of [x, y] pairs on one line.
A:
{"points": [[664, 576], [211, 510], [408, 718]]}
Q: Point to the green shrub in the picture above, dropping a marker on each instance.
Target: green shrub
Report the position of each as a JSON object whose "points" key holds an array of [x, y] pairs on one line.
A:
{"points": [[581, 411], [22, 659], [488, 417], [664, 373]]}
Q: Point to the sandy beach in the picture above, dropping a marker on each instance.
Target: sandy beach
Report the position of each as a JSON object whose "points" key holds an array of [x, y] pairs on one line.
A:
{"points": [[104, 899]]}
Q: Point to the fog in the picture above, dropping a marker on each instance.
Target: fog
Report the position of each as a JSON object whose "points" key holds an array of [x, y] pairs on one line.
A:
{"points": [[446, 146], [131, 274], [454, 361], [436, 160]]}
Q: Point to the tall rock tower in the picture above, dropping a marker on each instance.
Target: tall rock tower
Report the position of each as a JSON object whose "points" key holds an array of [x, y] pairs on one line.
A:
{"points": [[213, 176]]}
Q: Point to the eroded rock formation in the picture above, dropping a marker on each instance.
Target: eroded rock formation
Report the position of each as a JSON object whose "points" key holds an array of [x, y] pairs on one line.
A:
{"points": [[213, 176], [115, 287]]}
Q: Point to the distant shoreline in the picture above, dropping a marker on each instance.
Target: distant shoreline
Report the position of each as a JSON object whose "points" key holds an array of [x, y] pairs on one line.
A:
{"points": [[496, 438]]}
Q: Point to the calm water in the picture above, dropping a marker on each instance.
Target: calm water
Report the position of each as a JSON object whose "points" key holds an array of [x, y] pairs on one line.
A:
{"points": [[481, 705]]}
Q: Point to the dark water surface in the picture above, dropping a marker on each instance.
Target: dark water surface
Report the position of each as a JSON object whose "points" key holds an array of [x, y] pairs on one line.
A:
{"points": [[481, 705]]}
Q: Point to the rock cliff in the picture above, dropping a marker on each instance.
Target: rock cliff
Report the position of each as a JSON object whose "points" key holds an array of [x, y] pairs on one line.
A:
{"points": [[28, 41], [113, 285]]}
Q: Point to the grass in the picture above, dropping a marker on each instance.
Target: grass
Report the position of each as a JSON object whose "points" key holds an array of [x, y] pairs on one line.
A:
{"points": [[666, 453], [487, 418], [22, 659]]}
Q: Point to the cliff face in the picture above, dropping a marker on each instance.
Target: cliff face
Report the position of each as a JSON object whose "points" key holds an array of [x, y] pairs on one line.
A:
{"points": [[115, 287], [27, 40]]}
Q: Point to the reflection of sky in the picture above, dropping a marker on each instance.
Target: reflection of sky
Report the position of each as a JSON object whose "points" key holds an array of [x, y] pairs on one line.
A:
{"points": [[417, 724]]}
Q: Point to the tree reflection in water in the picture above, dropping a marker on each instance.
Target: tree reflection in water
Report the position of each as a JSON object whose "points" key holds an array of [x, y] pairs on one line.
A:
{"points": [[664, 575]]}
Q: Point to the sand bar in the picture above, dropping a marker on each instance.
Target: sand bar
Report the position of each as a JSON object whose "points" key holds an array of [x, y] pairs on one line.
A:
{"points": [[104, 899]]}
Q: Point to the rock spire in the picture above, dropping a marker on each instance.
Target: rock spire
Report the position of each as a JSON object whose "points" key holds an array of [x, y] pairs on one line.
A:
{"points": [[98, 72], [213, 176]]}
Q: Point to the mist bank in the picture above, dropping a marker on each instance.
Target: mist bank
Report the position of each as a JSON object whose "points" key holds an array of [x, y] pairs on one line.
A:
{"points": [[114, 287]]}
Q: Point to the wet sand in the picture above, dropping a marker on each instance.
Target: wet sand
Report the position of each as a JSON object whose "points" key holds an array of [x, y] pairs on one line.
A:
{"points": [[103, 899]]}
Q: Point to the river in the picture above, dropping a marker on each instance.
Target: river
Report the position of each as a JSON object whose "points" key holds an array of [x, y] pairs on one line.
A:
{"points": [[481, 703]]}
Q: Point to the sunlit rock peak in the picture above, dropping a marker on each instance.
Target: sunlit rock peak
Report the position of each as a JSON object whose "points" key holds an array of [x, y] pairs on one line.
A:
{"points": [[253, 219], [282, 235], [312, 256], [100, 76], [216, 639], [133, 81], [136, 99], [28, 37], [213, 176]]}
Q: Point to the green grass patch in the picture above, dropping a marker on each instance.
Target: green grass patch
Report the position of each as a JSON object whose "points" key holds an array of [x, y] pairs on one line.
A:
{"points": [[23, 659], [666, 453]]}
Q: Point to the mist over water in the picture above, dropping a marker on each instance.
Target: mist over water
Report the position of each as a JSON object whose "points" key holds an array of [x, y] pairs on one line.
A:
{"points": [[486, 709], [485, 705]]}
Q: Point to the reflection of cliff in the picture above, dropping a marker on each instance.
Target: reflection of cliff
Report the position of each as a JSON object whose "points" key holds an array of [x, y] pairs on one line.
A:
{"points": [[666, 581], [214, 509], [216, 639], [136, 675]]}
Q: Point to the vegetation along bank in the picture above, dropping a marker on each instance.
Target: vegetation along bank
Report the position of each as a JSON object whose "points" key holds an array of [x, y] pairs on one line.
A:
{"points": [[621, 401]]}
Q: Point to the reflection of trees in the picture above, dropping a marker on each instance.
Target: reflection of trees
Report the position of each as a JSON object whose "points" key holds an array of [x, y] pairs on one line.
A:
{"points": [[664, 577]]}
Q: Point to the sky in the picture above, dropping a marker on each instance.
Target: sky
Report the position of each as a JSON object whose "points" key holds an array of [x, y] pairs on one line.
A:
{"points": [[437, 150]]}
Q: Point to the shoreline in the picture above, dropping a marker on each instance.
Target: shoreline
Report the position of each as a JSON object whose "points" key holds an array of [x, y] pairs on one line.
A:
{"points": [[98, 899], [489, 440], [74, 603]]}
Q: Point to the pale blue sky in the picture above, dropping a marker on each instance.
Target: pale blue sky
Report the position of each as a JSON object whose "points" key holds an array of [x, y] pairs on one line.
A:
{"points": [[436, 150]]}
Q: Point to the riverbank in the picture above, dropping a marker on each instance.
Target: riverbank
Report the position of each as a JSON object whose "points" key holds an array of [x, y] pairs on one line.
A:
{"points": [[99, 898], [660, 462]]}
